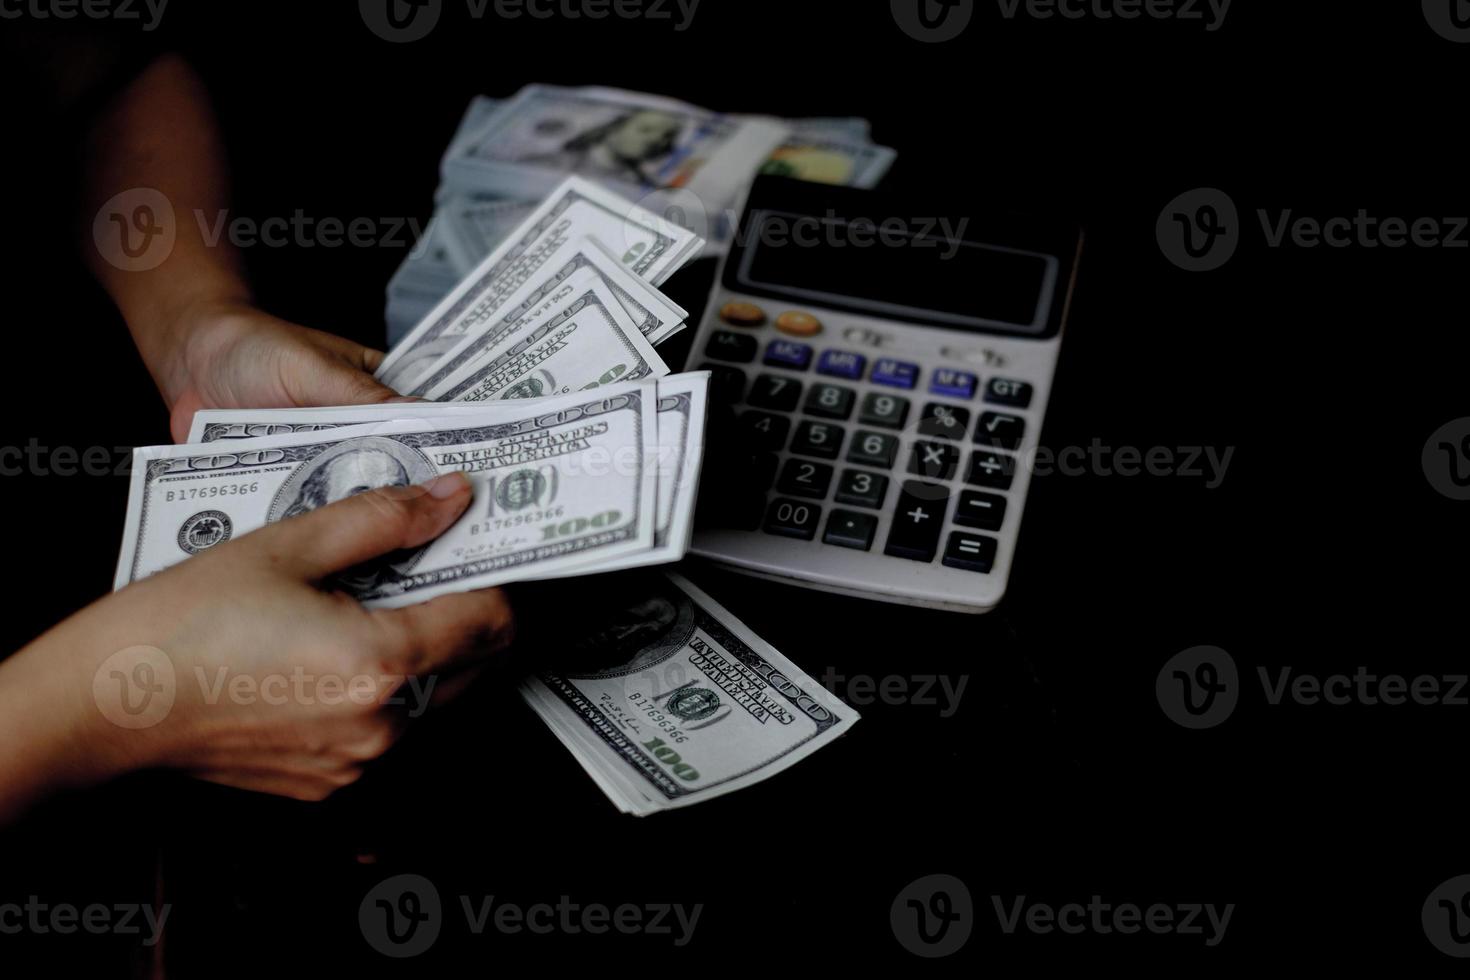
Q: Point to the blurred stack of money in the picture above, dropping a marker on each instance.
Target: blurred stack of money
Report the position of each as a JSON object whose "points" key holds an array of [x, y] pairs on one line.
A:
{"points": [[584, 453], [685, 162]]}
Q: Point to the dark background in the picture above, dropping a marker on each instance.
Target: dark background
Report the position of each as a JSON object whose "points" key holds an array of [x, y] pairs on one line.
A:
{"points": [[1059, 777]]}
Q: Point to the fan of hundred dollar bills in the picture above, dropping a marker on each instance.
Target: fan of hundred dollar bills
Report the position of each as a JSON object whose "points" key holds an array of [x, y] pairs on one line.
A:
{"points": [[543, 386], [689, 161]]}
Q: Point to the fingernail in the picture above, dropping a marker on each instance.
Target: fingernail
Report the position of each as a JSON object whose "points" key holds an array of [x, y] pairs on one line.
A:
{"points": [[405, 399], [446, 486]]}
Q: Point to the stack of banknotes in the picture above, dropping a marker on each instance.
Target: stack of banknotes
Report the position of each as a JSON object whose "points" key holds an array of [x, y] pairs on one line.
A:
{"points": [[689, 162], [543, 386]]}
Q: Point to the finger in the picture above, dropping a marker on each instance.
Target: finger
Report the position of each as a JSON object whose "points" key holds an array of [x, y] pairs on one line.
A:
{"points": [[349, 532], [363, 358], [310, 788], [329, 381], [450, 631]]}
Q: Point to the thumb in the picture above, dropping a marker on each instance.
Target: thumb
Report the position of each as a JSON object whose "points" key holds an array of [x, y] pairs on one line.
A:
{"points": [[330, 381], [312, 546]]}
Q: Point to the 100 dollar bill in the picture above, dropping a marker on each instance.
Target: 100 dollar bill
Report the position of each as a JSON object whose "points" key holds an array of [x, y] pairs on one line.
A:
{"points": [[672, 700], [682, 407], [559, 484], [585, 342], [650, 247], [582, 263]]}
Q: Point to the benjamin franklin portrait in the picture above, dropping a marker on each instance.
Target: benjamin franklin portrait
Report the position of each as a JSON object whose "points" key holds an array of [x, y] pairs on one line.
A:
{"points": [[630, 147], [349, 468]]}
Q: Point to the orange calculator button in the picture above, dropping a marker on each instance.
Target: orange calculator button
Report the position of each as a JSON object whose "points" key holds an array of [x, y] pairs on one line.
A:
{"points": [[798, 324], [742, 314]]}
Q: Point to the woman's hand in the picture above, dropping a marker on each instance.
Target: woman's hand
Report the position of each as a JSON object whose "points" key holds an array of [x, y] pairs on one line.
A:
{"points": [[232, 355], [239, 667]]}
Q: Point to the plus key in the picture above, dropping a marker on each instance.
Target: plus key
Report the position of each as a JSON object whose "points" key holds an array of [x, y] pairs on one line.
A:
{"points": [[917, 519]]}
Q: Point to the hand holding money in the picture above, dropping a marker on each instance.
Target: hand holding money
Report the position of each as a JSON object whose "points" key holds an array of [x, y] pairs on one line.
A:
{"points": [[583, 454], [166, 660]]}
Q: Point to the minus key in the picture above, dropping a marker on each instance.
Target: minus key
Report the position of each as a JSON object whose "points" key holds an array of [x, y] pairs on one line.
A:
{"points": [[986, 511]]}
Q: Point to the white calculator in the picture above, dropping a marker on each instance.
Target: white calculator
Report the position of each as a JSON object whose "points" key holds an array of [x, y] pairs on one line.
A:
{"points": [[884, 375]]}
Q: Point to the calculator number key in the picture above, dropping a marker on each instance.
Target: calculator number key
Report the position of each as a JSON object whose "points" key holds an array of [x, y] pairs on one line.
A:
{"points": [[793, 519], [889, 411], [801, 478], [767, 431], [726, 346], [775, 392], [849, 529], [917, 520], [817, 439], [859, 488], [829, 401], [873, 449]]}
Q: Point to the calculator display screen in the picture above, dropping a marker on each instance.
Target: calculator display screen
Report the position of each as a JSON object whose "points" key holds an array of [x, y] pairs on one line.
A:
{"points": [[901, 271]]}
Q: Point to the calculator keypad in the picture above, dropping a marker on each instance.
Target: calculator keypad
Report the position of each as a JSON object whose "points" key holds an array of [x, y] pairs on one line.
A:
{"points": [[826, 449]]}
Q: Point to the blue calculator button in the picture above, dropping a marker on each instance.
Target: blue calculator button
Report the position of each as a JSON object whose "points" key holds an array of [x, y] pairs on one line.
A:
{"points": [[897, 374], [842, 364], [786, 353], [955, 384]]}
